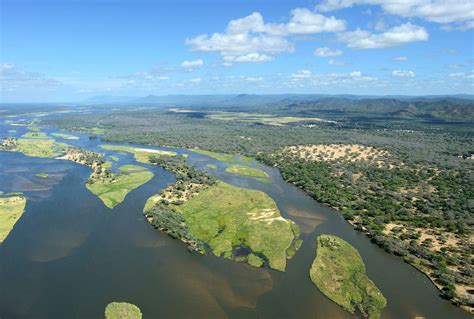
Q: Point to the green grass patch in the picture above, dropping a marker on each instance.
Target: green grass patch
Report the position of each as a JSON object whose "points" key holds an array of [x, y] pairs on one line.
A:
{"points": [[339, 272], [112, 190], [268, 119], [259, 175], [65, 136], [39, 147], [227, 217], [185, 155], [211, 166], [11, 209], [122, 310], [140, 154], [228, 158], [35, 134], [42, 175], [114, 158]]}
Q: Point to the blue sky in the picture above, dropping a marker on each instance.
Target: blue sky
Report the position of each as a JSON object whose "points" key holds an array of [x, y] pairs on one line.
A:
{"points": [[70, 50]]}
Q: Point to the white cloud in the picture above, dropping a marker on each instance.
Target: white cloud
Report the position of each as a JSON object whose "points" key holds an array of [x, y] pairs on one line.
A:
{"points": [[455, 65], [301, 74], [440, 11], [403, 74], [324, 52], [253, 79], [401, 58], [195, 80], [251, 57], [250, 39], [399, 35], [192, 64], [12, 78], [337, 63], [469, 75]]}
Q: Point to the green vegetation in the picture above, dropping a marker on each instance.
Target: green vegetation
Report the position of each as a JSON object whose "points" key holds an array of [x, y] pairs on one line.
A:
{"points": [[65, 136], [141, 154], [11, 131], [339, 272], [42, 175], [122, 310], [114, 158], [11, 209], [228, 158], [229, 218], [112, 188], [248, 171], [211, 166], [34, 147], [268, 119], [35, 134]]}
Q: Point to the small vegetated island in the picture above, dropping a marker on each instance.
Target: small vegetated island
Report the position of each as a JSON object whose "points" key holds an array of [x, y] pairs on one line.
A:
{"points": [[11, 209], [227, 221], [33, 145], [112, 188], [222, 157], [42, 175], [140, 154], [339, 273], [249, 172], [65, 136], [122, 310]]}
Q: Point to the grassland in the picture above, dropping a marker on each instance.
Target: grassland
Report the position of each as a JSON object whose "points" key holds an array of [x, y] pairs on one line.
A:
{"points": [[250, 172], [113, 188], [11, 209], [35, 147], [42, 175], [227, 158], [267, 119], [339, 273], [65, 136], [35, 134], [122, 310], [140, 154], [211, 166], [230, 218]]}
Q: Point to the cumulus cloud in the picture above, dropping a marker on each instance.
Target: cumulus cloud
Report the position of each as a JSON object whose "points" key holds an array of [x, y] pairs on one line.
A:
{"points": [[399, 35], [403, 74], [189, 65], [305, 78], [251, 39], [440, 11], [325, 52], [301, 74]]}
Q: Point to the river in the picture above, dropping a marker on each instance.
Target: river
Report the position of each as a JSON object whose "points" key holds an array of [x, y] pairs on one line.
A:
{"points": [[69, 255]]}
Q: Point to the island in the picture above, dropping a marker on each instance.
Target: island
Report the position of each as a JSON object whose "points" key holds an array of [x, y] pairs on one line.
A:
{"points": [[140, 154], [122, 310], [35, 147], [339, 273], [249, 172], [65, 136], [227, 221], [11, 209], [42, 175]]}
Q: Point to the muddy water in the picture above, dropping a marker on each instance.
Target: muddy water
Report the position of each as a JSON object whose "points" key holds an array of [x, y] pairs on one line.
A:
{"points": [[69, 255]]}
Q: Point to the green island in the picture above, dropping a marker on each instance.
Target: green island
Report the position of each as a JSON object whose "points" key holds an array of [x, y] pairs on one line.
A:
{"points": [[227, 158], [122, 310], [250, 172], [113, 188], [110, 187], [211, 166], [35, 134], [41, 147], [65, 136], [42, 175], [11, 209], [339, 273], [225, 220], [11, 131], [140, 154], [114, 158]]}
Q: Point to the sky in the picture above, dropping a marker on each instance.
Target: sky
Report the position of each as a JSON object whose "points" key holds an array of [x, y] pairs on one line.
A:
{"points": [[71, 50]]}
